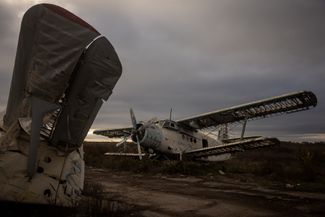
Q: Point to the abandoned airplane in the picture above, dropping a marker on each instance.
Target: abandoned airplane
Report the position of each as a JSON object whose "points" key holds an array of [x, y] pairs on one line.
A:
{"points": [[196, 138]]}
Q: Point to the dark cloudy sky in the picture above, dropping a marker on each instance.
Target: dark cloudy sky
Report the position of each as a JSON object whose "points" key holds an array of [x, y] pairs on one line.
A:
{"points": [[198, 56]]}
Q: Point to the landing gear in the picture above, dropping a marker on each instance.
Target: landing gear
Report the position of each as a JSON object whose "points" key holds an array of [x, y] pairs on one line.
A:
{"points": [[159, 156]]}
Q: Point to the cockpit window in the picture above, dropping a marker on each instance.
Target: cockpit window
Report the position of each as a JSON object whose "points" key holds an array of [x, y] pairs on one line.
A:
{"points": [[170, 124]]}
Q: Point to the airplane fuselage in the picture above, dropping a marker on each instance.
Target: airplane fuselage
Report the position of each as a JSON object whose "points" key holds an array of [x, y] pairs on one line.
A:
{"points": [[169, 138]]}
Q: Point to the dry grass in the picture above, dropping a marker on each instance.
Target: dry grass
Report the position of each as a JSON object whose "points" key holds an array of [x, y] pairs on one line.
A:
{"points": [[289, 162], [98, 203]]}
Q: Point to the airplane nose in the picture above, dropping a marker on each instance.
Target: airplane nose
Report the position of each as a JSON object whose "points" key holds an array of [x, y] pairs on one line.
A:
{"points": [[138, 132]]}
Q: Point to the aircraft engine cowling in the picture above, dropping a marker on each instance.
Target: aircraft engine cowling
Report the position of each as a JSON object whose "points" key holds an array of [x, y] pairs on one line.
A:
{"points": [[150, 137]]}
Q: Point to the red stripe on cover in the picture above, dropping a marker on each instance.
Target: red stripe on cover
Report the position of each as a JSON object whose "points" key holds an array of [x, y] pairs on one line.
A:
{"points": [[70, 16]]}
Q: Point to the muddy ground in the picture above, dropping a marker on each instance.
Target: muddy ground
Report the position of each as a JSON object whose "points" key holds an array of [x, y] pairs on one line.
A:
{"points": [[287, 180], [157, 195]]}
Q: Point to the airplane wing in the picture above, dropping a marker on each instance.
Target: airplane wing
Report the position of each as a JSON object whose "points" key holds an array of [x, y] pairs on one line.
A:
{"points": [[237, 146], [283, 104], [114, 133]]}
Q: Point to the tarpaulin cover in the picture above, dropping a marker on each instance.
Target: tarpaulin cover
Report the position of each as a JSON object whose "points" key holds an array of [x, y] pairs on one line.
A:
{"points": [[53, 64]]}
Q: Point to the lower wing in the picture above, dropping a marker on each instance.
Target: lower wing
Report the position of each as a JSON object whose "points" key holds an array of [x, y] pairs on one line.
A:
{"points": [[114, 133], [124, 154], [236, 146]]}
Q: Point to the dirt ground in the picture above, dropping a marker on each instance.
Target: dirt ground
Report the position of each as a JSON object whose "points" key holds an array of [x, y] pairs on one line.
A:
{"points": [[217, 196]]}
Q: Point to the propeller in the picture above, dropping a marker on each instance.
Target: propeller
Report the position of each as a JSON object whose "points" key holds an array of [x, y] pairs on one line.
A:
{"points": [[125, 138], [123, 141], [137, 132], [133, 119]]}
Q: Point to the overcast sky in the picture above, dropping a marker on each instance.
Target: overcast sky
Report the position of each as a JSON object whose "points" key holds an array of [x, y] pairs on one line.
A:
{"points": [[199, 56]]}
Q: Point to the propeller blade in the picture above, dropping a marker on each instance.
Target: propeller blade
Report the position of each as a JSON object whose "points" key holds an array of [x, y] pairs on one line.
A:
{"points": [[133, 119], [139, 148], [122, 141]]}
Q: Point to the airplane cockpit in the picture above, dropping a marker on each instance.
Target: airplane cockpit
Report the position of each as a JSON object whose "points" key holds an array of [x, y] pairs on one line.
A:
{"points": [[169, 124]]}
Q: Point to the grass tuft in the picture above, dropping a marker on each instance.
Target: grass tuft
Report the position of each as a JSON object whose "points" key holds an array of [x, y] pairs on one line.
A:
{"points": [[288, 163]]}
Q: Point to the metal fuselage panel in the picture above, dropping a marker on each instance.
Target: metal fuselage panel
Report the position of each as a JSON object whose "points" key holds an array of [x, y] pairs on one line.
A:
{"points": [[174, 140], [177, 142]]}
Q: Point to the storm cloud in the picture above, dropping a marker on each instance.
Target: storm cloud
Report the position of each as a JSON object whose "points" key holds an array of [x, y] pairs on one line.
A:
{"points": [[199, 56]]}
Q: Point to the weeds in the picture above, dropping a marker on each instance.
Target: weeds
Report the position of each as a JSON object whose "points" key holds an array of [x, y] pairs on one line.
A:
{"points": [[98, 203], [289, 162], [306, 159], [94, 197]]}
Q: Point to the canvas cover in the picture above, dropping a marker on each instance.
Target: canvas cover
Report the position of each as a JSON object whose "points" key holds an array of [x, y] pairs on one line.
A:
{"points": [[64, 69], [62, 60]]}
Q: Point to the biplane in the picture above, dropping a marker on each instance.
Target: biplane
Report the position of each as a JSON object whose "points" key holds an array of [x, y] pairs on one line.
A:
{"points": [[205, 136]]}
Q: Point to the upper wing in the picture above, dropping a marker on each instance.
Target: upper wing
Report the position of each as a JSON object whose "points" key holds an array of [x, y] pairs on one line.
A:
{"points": [[114, 133], [238, 146], [287, 103]]}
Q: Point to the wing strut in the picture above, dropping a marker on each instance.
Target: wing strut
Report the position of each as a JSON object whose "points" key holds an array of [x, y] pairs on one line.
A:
{"points": [[243, 130]]}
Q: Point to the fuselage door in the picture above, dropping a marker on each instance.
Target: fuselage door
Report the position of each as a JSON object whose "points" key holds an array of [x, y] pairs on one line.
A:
{"points": [[204, 143]]}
